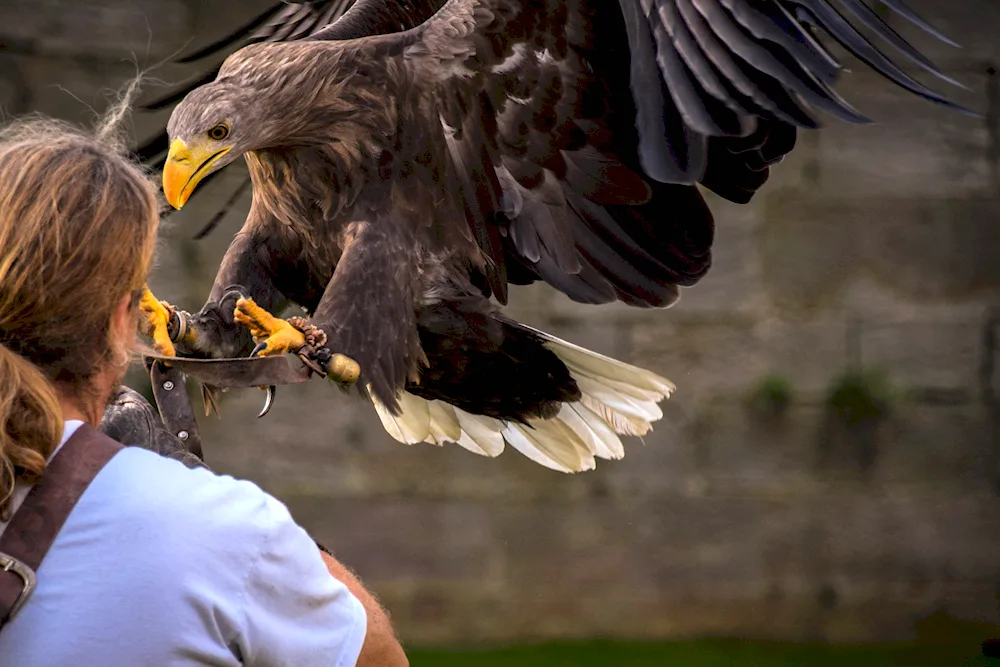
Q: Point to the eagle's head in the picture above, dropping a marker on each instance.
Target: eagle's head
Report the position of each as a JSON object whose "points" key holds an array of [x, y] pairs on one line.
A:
{"points": [[210, 128], [274, 95]]}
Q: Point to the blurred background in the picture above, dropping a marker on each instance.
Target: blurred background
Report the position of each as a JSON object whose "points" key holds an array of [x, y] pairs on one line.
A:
{"points": [[827, 474]]}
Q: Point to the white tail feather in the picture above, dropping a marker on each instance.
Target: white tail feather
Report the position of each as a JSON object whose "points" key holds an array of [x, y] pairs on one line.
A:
{"points": [[543, 449], [601, 392], [481, 434], [600, 437], [617, 399], [444, 426], [392, 426], [620, 423], [598, 365]]}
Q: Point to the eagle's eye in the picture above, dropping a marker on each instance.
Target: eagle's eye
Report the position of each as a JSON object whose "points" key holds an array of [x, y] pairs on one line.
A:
{"points": [[218, 132]]}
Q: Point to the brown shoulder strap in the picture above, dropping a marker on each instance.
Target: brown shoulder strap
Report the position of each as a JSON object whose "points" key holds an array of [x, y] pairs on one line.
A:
{"points": [[34, 526]]}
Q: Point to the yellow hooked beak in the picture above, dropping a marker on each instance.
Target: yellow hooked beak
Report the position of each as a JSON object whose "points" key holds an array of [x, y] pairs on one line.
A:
{"points": [[185, 168]]}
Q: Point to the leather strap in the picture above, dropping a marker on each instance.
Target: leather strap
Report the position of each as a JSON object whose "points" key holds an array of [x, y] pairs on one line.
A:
{"points": [[34, 526]]}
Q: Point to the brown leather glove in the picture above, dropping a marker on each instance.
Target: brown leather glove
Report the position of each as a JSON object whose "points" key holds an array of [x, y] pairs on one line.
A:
{"points": [[132, 421]]}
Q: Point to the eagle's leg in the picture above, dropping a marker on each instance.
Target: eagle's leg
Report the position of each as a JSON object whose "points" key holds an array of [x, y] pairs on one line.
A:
{"points": [[368, 309], [213, 331], [366, 313]]}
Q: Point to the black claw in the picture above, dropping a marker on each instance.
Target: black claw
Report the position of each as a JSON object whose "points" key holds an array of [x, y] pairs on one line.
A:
{"points": [[234, 292], [268, 402]]}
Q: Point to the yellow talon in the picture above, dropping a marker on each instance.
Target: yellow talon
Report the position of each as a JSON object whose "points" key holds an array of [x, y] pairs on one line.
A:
{"points": [[278, 335], [154, 322]]}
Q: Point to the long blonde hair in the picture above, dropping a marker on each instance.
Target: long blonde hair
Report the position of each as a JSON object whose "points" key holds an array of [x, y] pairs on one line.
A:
{"points": [[78, 222]]}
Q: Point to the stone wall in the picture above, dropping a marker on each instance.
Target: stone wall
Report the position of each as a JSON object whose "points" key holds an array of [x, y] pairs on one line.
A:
{"points": [[873, 251]]}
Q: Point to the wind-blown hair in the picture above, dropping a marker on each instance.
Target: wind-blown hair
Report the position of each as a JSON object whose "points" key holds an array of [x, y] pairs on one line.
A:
{"points": [[78, 222]]}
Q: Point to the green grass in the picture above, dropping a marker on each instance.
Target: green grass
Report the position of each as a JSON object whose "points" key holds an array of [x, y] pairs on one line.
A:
{"points": [[707, 653]]}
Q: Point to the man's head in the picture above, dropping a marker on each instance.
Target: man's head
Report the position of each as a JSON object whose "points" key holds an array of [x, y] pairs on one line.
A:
{"points": [[78, 224]]}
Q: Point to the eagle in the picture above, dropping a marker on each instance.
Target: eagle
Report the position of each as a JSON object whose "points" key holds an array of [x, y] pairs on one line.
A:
{"points": [[412, 161]]}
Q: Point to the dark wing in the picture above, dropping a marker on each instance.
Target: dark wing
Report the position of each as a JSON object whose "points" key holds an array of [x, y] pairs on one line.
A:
{"points": [[579, 128], [285, 21], [708, 66]]}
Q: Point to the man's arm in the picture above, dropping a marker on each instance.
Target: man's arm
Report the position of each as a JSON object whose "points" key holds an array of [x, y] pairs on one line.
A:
{"points": [[381, 646], [131, 420]]}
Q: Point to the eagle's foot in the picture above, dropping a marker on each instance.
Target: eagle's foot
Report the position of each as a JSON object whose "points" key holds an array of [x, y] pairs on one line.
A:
{"points": [[155, 322], [273, 335]]}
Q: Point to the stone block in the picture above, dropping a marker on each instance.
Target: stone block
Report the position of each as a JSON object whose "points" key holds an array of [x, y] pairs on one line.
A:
{"points": [[15, 91], [732, 565], [946, 447], [620, 550], [807, 353], [929, 249], [935, 249], [913, 146], [448, 613], [808, 248], [929, 447], [669, 545], [525, 302], [740, 450], [311, 441], [137, 29], [969, 25], [211, 20], [868, 298], [702, 358], [994, 378], [731, 356], [911, 537], [76, 89], [922, 355], [398, 539]]}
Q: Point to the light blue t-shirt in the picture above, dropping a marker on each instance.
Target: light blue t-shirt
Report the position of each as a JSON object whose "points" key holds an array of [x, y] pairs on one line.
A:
{"points": [[159, 564]]}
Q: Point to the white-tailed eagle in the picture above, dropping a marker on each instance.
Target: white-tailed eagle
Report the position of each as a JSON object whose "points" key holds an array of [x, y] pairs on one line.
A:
{"points": [[413, 159]]}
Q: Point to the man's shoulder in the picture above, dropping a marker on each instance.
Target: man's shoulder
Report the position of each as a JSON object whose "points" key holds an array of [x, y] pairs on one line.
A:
{"points": [[165, 498]]}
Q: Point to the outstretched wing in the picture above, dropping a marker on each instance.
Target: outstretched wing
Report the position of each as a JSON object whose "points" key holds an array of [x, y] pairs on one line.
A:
{"points": [[709, 66], [579, 128]]}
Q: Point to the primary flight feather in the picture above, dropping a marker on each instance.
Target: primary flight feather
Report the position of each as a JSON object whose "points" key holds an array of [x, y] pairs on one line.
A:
{"points": [[412, 160]]}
